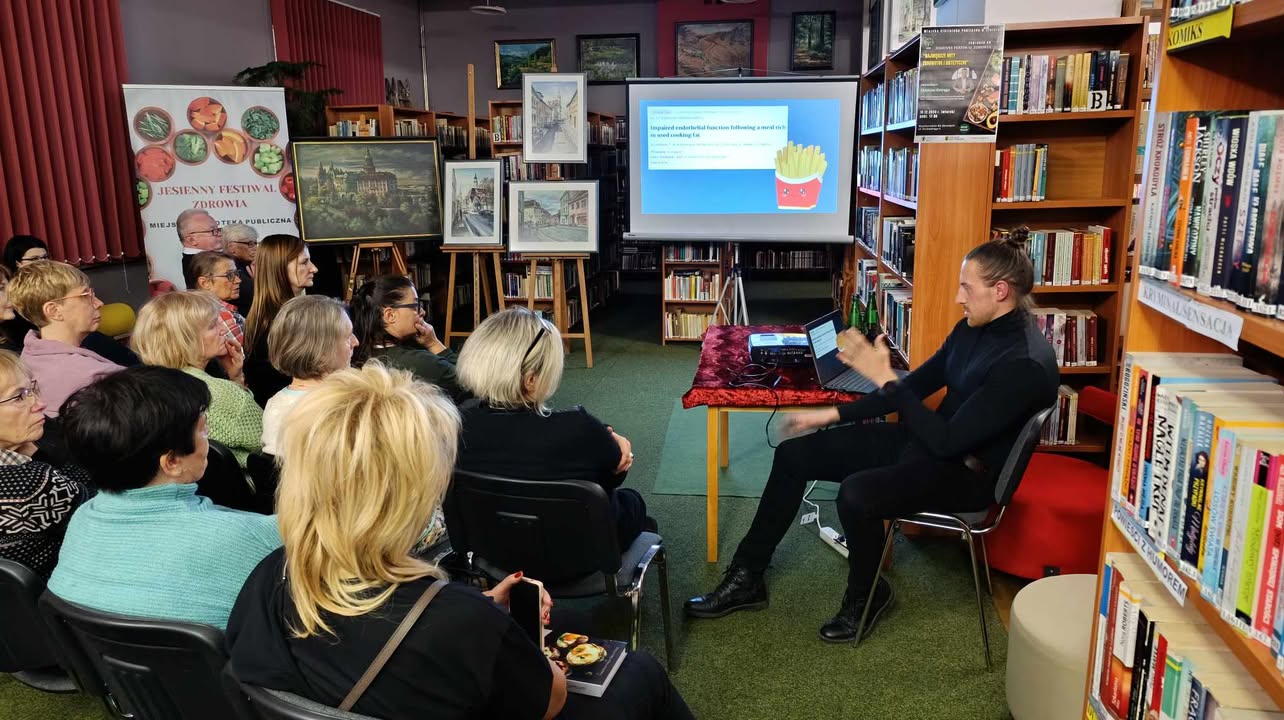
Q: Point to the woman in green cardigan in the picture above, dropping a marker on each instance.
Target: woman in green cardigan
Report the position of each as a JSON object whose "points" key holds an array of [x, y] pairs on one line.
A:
{"points": [[388, 320], [183, 330]]}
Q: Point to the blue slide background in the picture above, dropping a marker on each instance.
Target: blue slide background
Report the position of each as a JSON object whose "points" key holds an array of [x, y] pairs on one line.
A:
{"points": [[735, 192]]}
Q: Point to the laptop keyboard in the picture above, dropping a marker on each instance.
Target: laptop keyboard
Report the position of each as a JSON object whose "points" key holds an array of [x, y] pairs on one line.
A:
{"points": [[853, 383]]}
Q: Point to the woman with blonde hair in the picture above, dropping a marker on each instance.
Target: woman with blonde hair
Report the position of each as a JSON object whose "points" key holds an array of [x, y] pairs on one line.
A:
{"points": [[368, 457], [512, 364], [283, 270], [311, 338], [184, 331]]}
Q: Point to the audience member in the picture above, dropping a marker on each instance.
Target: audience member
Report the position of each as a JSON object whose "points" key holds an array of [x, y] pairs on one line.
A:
{"points": [[215, 273], [512, 363], [22, 250], [36, 498], [283, 270], [311, 338], [242, 243], [7, 314], [198, 231], [183, 331], [57, 298], [389, 320], [147, 544], [157, 286], [368, 457]]}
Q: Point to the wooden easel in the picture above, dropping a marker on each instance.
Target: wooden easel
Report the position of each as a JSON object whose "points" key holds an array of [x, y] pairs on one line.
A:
{"points": [[398, 262], [478, 253], [561, 316]]}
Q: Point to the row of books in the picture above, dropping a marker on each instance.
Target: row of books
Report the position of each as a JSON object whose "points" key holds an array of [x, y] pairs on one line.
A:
{"points": [[517, 284], [1074, 334], [1021, 173], [1062, 425], [1214, 199], [1198, 450], [1154, 658], [1067, 256], [869, 168], [790, 259], [902, 173], [636, 258], [897, 248], [506, 128], [898, 303], [516, 169], [903, 99], [867, 279], [683, 324], [692, 252], [692, 285], [1191, 9], [601, 134], [455, 137], [361, 127], [871, 107], [1082, 82], [867, 226]]}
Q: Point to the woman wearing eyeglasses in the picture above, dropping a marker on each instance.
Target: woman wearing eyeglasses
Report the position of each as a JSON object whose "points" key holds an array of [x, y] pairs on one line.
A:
{"points": [[215, 273], [512, 363], [388, 318], [22, 250], [36, 498]]}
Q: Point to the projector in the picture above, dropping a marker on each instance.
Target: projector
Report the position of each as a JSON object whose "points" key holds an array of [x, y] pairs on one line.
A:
{"points": [[779, 349]]}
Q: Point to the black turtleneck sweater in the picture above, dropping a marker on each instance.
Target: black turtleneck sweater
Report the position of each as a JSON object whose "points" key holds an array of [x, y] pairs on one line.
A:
{"points": [[995, 377]]}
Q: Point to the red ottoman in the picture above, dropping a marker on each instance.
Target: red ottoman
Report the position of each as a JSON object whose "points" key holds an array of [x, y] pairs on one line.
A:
{"points": [[1054, 522]]}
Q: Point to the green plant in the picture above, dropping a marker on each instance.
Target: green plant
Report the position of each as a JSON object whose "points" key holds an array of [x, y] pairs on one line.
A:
{"points": [[304, 109]]}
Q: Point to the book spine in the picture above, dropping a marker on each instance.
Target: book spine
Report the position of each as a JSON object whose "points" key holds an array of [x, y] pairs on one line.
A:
{"points": [[1190, 262], [1269, 254], [1210, 558], [1181, 478], [1152, 221], [1118, 489], [1201, 452], [1253, 537], [1138, 434], [1241, 250], [1167, 415], [1213, 177], [1228, 210], [1177, 253]]}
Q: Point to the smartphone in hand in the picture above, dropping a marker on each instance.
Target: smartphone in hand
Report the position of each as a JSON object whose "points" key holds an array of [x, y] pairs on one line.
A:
{"points": [[524, 605]]}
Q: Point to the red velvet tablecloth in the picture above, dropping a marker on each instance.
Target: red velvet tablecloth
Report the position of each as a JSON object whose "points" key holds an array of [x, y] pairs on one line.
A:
{"points": [[726, 351]]}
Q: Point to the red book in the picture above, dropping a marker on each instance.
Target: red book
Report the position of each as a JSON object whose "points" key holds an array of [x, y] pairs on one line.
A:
{"points": [[1076, 260], [1103, 686], [1264, 622], [1050, 258], [1006, 189], [1106, 244], [1091, 343]]}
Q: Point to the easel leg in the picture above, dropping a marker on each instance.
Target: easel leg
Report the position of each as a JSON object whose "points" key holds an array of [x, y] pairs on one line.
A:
{"points": [[530, 287], [711, 487], [476, 288], [352, 271], [584, 312], [478, 263], [499, 281], [724, 438], [560, 315], [450, 301]]}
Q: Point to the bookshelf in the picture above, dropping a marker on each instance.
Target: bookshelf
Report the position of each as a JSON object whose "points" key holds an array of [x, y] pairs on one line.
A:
{"points": [[389, 120], [692, 277], [1223, 74]]}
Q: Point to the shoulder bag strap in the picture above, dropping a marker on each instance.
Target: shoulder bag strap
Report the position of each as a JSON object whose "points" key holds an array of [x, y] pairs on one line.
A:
{"points": [[391, 646]]}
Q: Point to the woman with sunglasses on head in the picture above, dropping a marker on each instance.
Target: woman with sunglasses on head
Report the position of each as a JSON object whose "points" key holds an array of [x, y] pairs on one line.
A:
{"points": [[512, 363], [283, 270], [388, 319]]}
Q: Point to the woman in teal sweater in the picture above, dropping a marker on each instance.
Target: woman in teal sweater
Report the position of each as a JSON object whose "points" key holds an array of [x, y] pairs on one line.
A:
{"points": [[183, 331], [147, 544], [388, 318]]}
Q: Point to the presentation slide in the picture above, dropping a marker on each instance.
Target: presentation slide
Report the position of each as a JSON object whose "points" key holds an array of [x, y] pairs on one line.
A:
{"points": [[749, 159], [740, 156]]}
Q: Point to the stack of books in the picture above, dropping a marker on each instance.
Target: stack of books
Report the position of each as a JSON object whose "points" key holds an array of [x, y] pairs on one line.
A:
{"points": [[361, 127], [683, 324], [692, 285], [692, 252], [867, 226], [904, 97], [897, 304], [871, 107], [1060, 429], [1082, 82], [506, 128], [790, 259], [1021, 173], [1067, 256], [1074, 335], [902, 173], [410, 128], [897, 249], [869, 169]]}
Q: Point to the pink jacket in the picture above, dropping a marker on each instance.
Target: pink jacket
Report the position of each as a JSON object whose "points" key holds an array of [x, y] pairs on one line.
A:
{"points": [[61, 369]]}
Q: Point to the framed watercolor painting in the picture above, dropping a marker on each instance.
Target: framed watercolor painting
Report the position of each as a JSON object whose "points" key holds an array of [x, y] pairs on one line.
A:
{"points": [[552, 217], [607, 59], [713, 49], [514, 57], [473, 192], [554, 118], [811, 44]]}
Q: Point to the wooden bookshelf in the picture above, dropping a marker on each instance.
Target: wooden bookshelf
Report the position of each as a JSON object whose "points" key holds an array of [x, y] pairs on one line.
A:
{"points": [[386, 117], [721, 265], [1237, 73]]}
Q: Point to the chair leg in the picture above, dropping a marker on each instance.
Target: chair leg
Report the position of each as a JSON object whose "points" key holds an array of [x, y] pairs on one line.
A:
{"points": [[663, 563], [985, 559], [878, 572], [636, 635], [980, 601]]}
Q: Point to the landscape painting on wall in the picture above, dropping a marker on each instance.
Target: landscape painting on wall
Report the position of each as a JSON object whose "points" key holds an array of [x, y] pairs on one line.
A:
{"points": [[714, 49], [514, 57], [555, 118], [812, 44], [552, 217], [608, 58]]}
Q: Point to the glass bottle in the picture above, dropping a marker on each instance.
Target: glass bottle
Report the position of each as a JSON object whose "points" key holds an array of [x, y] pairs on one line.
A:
{"points": [[872, 327]]}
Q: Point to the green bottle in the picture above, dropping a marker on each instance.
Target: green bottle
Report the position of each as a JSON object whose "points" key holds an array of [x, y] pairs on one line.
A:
{"points": [[854, 317], [872, 328]]}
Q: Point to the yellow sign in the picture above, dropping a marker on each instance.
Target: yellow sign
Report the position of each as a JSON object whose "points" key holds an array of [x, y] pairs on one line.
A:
{"points": [[1200, 30]]}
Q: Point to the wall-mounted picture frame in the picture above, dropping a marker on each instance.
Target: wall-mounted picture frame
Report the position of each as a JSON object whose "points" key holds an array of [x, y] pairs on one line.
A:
{"points": [[554, 119], [549, 217], [608, 59], [713, 49], [474, 203], [515, 57], [811, 45]]}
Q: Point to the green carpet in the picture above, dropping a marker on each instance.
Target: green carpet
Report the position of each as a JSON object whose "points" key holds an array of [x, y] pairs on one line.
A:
{"points": [[923, 661]]}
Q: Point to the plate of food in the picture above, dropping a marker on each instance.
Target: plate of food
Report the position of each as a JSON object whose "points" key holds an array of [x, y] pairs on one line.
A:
{"points": [[231, 147], [191, 147], [153, 124], [269, 160], [143, 190], [260, 123], [207, 114], [586, 653], [154, 163], [287, 188], [566, 640]]}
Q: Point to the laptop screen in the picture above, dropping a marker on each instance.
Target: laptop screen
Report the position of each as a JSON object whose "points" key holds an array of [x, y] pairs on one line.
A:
{"points": [[822, 335]]}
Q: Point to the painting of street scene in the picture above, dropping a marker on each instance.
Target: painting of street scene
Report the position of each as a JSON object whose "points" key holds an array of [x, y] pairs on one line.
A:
{"points": [[714, 49], [367, 189], [553, 108], [552, 217], [472, 204]]}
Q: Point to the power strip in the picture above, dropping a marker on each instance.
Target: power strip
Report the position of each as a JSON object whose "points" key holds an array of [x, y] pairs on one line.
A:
{"points": [[834, 540]]}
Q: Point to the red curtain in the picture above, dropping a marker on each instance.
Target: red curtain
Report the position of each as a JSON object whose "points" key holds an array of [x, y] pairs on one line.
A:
{"points": [[348, 42], [65, 170]]}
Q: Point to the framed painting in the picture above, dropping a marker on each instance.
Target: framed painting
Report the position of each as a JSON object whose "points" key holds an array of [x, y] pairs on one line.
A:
{"points": [[514, 57], [607, 59], [554, 118], [473, 192], [713, 49], [552, 217], [811, 44]]}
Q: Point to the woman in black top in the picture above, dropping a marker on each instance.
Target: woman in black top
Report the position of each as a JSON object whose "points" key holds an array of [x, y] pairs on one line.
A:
{"points": [[284, 270], [512, 363], [388, 318]]}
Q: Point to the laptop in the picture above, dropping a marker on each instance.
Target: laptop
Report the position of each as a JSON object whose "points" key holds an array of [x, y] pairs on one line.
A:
{"points": [[831, 373]]}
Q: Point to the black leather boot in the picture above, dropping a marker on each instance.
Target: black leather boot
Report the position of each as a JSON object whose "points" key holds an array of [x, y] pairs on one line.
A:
{"points": [[843, 626], [740, 589]]}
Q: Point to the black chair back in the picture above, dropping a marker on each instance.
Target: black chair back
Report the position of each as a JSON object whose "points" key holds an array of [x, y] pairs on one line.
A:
{"points": [[155, 669], [224, 480], [1014, 468], [25, 643], [277, 705], [555, 530], [266, 476]]}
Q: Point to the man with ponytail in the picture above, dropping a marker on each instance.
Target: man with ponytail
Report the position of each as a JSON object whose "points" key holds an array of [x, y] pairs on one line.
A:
{"points": [[997, 371]]}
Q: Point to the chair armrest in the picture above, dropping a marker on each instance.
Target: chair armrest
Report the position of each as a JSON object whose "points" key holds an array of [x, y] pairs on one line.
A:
{"points": [[635, 561], [1098, 404]]}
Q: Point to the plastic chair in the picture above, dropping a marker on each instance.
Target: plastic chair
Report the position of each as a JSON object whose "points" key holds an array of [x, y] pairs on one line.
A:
{"points": [[27, 650], [224, 481], [156, 669], [972, 527], [265, 474], [561, 532], [281, 705]]}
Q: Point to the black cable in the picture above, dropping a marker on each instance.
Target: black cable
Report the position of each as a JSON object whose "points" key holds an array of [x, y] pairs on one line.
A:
{"points": [[744, 378]]}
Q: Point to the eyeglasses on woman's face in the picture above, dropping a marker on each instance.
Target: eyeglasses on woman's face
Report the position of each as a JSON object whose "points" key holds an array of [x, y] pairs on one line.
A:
{"points": [[87, 294], [30, 392], [419, 306], [32, 256], [231, 276]]}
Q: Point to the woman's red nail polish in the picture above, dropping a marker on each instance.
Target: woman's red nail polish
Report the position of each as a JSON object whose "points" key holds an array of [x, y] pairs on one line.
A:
{"points": [[518, 574]]}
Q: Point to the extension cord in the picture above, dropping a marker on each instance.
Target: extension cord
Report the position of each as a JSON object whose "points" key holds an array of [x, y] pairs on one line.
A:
{"points": [[834, 540]]}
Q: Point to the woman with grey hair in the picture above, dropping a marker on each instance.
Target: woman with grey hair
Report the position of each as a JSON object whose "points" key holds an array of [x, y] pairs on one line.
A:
{"points": [[242, 242]]}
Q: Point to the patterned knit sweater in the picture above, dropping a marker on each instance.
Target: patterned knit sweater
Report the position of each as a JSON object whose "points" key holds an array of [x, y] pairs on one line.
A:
{"points": [[36, 502], [234, 419]]}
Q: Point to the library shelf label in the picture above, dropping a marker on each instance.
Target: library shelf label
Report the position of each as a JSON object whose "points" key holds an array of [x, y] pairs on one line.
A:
{"points": [[1201, 30], [1145, 547], [1209, 321]]}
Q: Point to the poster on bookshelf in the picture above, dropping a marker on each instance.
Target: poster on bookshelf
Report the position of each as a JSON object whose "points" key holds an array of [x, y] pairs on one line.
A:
{"points": [[958, 83]]}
